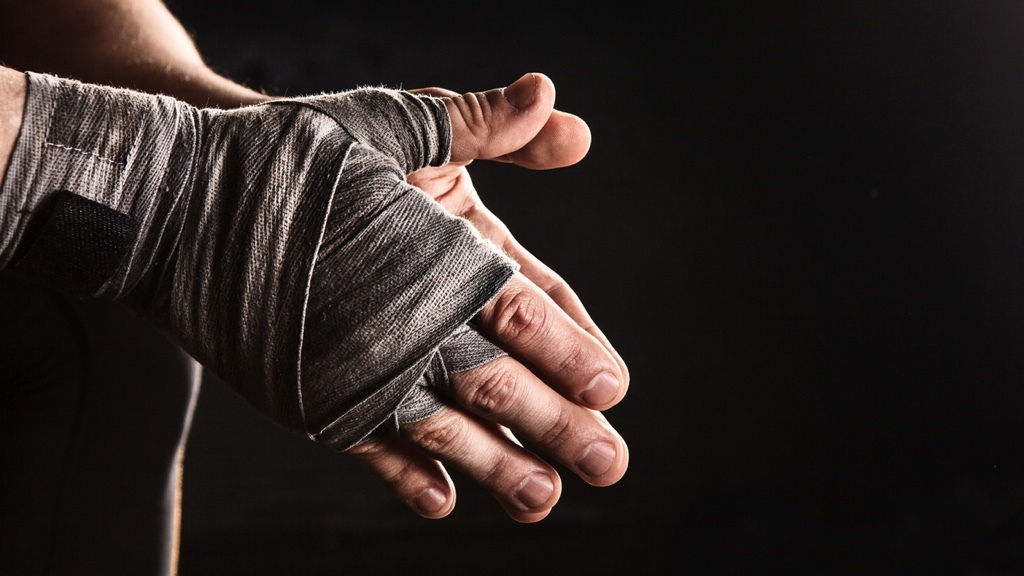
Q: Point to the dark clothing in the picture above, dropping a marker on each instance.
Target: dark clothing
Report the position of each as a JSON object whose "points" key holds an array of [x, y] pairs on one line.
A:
{"points": [[95, 407]]}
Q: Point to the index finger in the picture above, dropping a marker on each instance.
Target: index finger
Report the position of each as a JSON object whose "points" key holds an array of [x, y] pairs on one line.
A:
{"points": [[542, 276], [526, 322]]}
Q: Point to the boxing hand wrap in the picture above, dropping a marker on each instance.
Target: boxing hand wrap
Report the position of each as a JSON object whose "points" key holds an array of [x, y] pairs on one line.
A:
{"points": [[279, 244]]}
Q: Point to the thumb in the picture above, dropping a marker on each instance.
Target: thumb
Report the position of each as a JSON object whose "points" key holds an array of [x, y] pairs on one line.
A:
{"points": [[515, 124]]}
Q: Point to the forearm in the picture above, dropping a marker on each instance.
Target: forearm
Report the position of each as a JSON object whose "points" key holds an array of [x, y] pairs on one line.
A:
{"points": [[135, 44], [12, 109]]}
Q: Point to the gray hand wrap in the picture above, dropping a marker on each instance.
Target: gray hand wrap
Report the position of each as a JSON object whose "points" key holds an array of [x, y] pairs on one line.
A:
{"points": [[279, 244]]}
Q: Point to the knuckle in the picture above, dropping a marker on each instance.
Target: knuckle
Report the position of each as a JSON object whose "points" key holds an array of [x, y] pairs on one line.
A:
{"points": [[403, 477], [497, 473], [399, 475], [561, 430], [439, 434], [573, 358], [476, 113], [518, 316], [492, 389]]}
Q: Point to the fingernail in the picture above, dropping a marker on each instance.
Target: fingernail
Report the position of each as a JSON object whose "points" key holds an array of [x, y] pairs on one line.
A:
{"points": [[597, 459], [522, 92], [602, 390], [430, 501], [535, 490]]}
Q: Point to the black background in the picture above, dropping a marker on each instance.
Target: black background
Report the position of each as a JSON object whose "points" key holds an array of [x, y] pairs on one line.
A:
{"points": [[799, 223]]}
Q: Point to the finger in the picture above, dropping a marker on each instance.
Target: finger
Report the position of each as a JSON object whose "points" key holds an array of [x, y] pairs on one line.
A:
{"points": [[506, 392], [497, 122], [563, 139], [470, 207], [530, 326], [540, 274], [564, 296], [421, 482], [525, 486], [516, 124]]}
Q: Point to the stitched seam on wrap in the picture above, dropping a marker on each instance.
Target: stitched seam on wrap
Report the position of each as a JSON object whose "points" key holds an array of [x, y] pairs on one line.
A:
{"points": [[95, 155], [48, 141]]}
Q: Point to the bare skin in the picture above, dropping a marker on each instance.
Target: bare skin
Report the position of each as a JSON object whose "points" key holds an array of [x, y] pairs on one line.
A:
{"points": [[561, 370], [128, 43], [12, 109]]}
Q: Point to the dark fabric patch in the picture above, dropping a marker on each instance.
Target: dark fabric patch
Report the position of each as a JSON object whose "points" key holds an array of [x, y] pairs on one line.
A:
{"points": [[79, 246]]}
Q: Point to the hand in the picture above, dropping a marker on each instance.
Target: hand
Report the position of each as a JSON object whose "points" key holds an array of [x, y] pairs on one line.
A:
{"points": [[561, 370]]}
